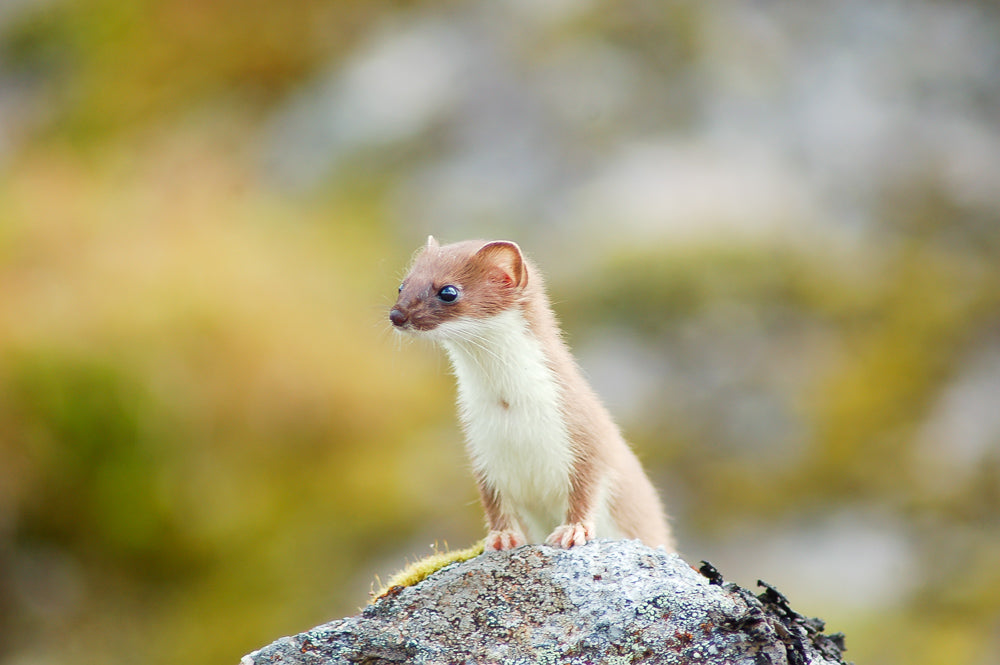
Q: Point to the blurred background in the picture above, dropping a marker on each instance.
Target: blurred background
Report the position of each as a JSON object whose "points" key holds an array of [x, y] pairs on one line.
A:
{"points": [[771, 230]]}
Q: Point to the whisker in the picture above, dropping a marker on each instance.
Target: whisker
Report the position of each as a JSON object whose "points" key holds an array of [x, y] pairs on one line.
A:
{"points": [[478, 342]]}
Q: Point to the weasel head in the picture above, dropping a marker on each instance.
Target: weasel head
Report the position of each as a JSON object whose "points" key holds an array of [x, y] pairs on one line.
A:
{"points": [[449, 283]]}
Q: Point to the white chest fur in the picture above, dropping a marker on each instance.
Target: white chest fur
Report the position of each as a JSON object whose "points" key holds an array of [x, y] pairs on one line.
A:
{"points": [[510, 405]]}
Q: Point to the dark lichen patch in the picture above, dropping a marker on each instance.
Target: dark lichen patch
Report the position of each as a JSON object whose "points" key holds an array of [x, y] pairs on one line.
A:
{"points": [[799, 629], [770, 616], [710, 572]]}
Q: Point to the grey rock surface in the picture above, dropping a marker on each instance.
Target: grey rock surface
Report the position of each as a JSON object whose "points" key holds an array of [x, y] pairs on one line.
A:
{"points": [[606, 602]]}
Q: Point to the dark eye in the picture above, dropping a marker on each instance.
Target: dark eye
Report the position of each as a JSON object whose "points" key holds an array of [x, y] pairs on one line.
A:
{"points": [[400, 288], [448, 293]]}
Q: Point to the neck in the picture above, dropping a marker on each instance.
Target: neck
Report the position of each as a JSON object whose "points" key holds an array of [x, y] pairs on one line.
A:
{"points": [[501, 351], [511, 403]]}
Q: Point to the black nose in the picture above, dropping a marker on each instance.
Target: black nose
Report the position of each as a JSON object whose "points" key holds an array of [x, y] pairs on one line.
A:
{"points": [[397, 316]]}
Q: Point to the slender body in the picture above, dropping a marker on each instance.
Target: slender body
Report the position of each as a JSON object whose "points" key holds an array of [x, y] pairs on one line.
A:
{"points": [[550, 462]]}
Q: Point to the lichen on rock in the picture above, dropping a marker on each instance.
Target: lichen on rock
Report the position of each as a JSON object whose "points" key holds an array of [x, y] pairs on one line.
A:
{"points": [[605, 602]]}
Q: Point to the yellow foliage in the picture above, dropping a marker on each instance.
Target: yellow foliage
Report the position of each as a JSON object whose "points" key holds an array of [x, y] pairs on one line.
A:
{"points": [[420, 570], [196, 379]]}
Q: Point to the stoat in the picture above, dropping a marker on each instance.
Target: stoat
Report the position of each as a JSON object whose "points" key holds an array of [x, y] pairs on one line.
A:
{"points": [[549, 461]]}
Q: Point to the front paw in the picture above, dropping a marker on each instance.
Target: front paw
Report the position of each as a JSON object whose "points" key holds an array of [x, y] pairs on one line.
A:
{"points": [[570, 535], [507, 539]]}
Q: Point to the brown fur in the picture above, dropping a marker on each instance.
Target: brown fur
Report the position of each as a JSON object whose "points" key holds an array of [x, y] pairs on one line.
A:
{"points": [[494, 277], [491, 282]]}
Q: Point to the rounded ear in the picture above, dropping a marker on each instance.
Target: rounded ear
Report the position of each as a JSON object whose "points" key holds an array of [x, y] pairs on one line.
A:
{"points": [[506, 256]]}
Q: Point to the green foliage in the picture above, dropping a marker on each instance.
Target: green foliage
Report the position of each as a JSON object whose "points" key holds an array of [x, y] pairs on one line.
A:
{"points": [[96, 462]]}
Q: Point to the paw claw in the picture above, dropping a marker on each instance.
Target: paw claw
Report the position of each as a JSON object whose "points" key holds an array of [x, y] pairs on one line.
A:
{"points": [[503, 540], [571, 535]]}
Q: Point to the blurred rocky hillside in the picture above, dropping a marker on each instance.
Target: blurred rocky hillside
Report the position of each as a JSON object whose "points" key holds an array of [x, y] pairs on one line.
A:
{"points": [[771, 230]]}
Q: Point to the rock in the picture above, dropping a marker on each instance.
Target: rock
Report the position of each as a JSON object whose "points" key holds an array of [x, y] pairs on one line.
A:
{"points": [[605, 602]]}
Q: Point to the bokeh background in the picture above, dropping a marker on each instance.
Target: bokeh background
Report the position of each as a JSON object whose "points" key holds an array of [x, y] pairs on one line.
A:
{"points": [[771, 230]]}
